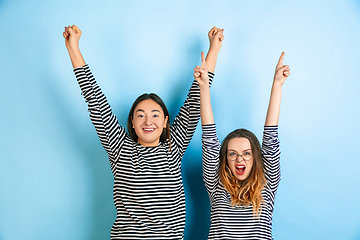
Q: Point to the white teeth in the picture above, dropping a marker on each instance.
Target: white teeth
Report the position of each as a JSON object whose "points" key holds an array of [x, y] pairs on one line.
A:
{"points": [[149, 129], [240, 167]]}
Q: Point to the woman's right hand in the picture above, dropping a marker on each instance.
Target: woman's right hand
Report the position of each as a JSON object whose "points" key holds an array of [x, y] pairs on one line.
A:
{"points": [[202, 77], [201, 73], [72, 36]]}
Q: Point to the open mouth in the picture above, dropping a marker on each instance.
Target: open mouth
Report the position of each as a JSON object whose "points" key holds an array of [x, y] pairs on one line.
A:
{"points": [[240, 169], [148, 130]]}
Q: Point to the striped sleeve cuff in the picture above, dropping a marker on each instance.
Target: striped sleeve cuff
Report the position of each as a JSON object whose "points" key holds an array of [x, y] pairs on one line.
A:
{"points": [[271, 131], [85, 80], [209, 137], [211, 77], [195, 89], [270, 139], [78, 70], [209, 129]]}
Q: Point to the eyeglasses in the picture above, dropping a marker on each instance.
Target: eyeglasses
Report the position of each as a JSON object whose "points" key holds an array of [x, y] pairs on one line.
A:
{"points": [[232, 156]]}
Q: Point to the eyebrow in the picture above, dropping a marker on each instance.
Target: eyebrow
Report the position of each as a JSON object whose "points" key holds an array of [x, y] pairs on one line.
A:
{"points": [[242, 151], [141, 110]]}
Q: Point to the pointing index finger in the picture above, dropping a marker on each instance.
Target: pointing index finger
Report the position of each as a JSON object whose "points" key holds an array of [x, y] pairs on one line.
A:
{"points": [[280, 63]]}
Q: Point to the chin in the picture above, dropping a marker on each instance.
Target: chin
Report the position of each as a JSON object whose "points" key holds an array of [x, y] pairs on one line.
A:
{"points": [[242, 177], [149, 142]]}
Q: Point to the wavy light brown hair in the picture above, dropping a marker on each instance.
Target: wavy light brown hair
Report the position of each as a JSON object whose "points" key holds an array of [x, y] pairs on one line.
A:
{"points": [[245, 192]]}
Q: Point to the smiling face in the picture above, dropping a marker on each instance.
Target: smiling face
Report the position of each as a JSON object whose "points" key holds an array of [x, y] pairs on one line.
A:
{"points": [[238, 150], [148, 122]]}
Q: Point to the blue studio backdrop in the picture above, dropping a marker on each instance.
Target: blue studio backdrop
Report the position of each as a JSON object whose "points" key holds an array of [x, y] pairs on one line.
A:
{"points": [[55, 178]]}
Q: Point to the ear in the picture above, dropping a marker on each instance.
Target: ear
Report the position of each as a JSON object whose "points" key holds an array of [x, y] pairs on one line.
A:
{"points": [[132, 121], [166, 120]]}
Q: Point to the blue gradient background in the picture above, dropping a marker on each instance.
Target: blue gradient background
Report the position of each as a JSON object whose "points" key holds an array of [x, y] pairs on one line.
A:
{"points": [[55, 179]]}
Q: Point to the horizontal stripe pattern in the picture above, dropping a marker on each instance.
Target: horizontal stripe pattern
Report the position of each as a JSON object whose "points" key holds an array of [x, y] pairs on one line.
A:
{"points": [[238, 222], [148, 188]]}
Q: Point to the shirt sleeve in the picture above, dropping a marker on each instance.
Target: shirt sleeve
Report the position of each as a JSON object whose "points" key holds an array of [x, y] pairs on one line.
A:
{"points": [[184, 125], [271, 156], [210, 157], [110, 133]]}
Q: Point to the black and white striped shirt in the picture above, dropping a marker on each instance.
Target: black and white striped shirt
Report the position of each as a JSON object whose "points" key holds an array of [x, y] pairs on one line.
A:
{"points": [[228, 222], [148, 189]]}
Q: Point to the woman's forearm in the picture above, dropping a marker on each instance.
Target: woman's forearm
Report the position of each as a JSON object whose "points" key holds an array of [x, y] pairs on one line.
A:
{"points": [[211, 59], [76, 57], [206, 112], [273, 113]]}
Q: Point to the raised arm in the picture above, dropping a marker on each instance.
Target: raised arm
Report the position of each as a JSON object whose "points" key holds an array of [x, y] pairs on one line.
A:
{"points": [[185, 122], [281, 74], [110, 133], [215, 38], [200, 73], [201, 76], [72, 36], [210, 142]]}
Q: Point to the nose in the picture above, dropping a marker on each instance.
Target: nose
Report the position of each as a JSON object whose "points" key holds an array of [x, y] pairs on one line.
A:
{"points": [[147, 121], [240, 158]]}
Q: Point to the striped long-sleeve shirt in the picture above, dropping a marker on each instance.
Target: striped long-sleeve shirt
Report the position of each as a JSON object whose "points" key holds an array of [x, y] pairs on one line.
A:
{"points": [[148, 188], [234, 222]]}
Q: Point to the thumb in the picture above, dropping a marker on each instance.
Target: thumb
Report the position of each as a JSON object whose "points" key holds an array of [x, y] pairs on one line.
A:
{"points": [[212, 31], [284, 68]]}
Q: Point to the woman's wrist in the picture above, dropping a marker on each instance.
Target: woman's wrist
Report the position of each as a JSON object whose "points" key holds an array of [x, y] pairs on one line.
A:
{"points": [[213, 50], [204, 87], [73, 48], [276, 85]]}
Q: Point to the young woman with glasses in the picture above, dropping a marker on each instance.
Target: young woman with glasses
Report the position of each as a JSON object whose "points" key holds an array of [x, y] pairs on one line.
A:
{"points": [[241, 176]]}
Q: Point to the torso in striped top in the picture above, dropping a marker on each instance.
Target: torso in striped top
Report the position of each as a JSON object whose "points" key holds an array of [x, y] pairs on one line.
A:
{"points": [[148, 189]]}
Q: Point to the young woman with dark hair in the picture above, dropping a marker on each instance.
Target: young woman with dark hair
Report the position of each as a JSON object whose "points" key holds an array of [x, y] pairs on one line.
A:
{"points": [[146, 163], [240, 176]]}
